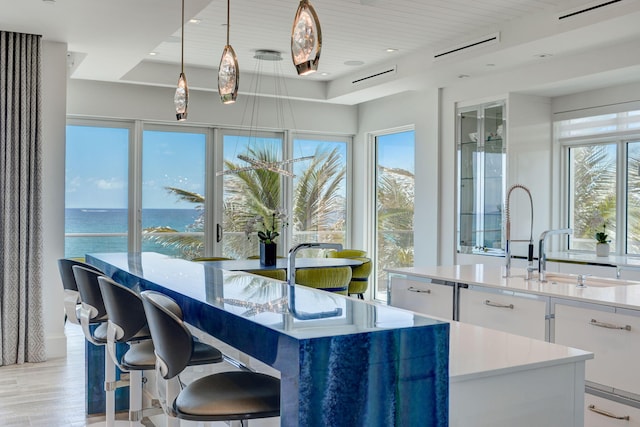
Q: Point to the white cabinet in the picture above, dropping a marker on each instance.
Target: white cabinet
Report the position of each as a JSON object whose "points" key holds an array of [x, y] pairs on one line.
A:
{"points": [[601, 412], [426, 296], [508, 311], [612, 334]]}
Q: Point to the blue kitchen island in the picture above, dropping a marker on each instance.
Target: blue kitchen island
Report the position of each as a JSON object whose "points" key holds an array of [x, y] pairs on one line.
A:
{"points": [[343, 361]]}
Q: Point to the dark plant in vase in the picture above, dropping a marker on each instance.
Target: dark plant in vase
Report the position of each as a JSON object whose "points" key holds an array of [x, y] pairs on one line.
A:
{"points": [[267, 231]]}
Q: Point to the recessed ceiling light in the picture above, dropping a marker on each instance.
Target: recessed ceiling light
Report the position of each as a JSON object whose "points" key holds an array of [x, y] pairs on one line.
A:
{"points": [[325, 74], [153, 53], [195, 21], [48, 1], [353, 63], [391, 49], [491, 65], [463, 76], [543, 55]]}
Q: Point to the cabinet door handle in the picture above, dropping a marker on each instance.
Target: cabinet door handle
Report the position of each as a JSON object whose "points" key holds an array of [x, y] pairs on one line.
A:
{"points": [[594, 322], [420, 291], [497, 304], [593, 408]]}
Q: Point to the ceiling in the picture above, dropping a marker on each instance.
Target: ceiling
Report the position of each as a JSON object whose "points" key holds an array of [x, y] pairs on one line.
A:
{"points": [[113, 40]]}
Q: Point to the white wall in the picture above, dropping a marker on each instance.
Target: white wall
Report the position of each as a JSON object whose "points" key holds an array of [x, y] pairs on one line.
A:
{"points": [[128, 101], [54, 95]]}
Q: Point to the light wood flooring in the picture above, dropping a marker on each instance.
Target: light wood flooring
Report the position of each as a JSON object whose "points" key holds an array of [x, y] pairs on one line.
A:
{"points": [[51, 393], [48, 394]]}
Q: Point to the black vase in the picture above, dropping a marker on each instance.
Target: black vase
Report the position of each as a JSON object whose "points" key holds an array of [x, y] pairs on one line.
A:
{"points": [[268, 253]]}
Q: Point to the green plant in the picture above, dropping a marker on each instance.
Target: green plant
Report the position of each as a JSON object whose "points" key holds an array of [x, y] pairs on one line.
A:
{"points": [[601, 236], [266, 227]]}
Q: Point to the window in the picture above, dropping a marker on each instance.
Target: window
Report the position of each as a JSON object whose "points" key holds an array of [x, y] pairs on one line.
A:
{"points": [[603, 176], [319, 211], [394, 204], [314, 199], [96, 190], [173, 188], [129, 191]]}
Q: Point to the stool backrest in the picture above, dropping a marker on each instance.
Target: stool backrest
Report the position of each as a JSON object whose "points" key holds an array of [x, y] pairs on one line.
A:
{"points": [[124, 308], [172, 340], [89, 289], [65, 266]]}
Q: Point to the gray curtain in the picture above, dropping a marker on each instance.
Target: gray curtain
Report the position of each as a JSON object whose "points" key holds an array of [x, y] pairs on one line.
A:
{"points": [[21, 325]]}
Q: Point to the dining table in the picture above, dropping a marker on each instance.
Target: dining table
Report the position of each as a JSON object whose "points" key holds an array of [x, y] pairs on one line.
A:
{"points": [[281, 263]]}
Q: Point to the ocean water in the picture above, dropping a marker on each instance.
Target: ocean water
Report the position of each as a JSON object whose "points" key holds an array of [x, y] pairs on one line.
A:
{"points": [[112, 225]]}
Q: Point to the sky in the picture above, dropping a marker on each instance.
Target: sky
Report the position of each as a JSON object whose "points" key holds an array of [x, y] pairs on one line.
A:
{"points": [[97, 164]]}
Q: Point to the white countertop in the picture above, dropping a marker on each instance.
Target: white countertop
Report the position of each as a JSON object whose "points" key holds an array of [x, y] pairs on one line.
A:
{"points": [[617, 293], [476, 352]]}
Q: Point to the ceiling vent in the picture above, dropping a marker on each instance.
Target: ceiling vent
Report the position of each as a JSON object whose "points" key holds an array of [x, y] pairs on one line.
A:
{"points": [[377, 75], [469, 45], [585, 9]]}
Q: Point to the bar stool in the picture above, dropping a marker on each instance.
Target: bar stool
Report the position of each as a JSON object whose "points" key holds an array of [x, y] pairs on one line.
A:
{"points": [[71, 295], [226, 396], [128, 324], [92, 312]]}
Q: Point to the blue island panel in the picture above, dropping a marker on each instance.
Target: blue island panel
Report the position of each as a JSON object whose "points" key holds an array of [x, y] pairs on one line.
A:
{"points": [[343, 361]]}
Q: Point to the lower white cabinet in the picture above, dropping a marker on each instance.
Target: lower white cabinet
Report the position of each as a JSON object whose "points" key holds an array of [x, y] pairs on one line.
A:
{"points": [[424, 296], [601, 412], [612, 334], [516, 313]]}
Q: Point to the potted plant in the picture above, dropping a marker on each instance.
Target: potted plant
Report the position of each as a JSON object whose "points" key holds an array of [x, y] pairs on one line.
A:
{"points": [[267, 231], [602, 245]]}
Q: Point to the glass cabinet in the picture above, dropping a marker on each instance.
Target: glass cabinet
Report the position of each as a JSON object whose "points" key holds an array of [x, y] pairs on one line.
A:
{"points": [[481, 143]]}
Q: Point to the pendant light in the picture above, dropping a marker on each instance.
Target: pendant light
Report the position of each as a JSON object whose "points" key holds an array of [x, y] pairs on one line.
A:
{"points": [[228, 71], [306, 39], [181, 98]]}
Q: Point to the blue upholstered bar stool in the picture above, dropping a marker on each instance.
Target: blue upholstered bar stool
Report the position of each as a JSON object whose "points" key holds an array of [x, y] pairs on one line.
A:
{"points": [[128, 324], [226, 396]]}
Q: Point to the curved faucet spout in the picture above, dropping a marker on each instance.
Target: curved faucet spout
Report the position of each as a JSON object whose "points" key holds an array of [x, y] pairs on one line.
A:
{"points": [[291, 259], [507, 231], [542, 253]]}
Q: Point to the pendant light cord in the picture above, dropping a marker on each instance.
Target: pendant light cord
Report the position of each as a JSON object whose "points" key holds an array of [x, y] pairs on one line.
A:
{"points": [[228, 15], [182, 42]]}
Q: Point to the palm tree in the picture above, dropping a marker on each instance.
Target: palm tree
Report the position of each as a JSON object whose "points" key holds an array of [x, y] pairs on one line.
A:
{"points": [[395, 219], [595, 202], [318, 204]]}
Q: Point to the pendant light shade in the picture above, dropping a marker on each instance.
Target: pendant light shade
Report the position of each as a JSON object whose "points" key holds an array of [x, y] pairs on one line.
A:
{"points": [[228, 71], [306, 39], [181, 98]]}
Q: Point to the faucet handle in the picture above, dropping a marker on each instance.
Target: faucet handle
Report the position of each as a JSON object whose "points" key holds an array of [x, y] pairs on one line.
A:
{"points": [[582, 278]]}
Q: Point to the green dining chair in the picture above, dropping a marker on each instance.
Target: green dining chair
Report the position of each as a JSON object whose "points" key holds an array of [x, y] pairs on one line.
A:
{"points": [[360, 273], [331, 279]]}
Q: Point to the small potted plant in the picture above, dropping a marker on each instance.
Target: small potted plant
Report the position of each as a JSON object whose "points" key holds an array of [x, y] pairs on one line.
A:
{"points": [[602, 245], [267, 231]]}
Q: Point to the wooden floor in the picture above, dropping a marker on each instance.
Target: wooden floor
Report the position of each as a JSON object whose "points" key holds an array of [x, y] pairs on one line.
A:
{"points": [[51, 394], [47, 394]]}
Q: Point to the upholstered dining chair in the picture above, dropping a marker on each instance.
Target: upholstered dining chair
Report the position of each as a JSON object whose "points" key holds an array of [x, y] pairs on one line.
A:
{"points": [[128, 324], [225, 396], [331, 279], [359, 273]]}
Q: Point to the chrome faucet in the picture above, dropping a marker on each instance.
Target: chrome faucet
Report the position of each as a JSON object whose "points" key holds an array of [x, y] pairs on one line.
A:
{"points": [[619, 269], [508, 230], [542, 254], [291, 259]]}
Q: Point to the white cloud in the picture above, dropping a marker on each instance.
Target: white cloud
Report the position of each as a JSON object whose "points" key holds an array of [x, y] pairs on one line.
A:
{"points": [[110, 184]]}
